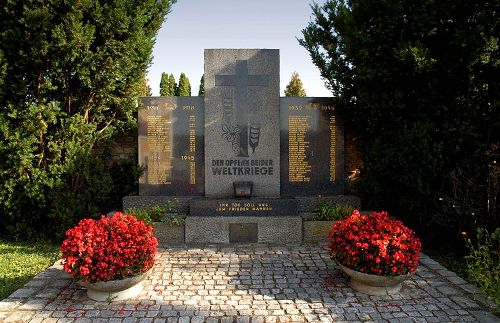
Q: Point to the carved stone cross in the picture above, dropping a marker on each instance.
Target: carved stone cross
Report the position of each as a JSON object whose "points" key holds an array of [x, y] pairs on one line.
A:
{"points": [[242, 80]]}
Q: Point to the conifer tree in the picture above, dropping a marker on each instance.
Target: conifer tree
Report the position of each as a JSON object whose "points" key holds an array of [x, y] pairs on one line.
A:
{"points": [[172, 86], [418, 82], [295, 87], [164, 85], [201, 91], [70, 76], [184, 86], [145, 90]]}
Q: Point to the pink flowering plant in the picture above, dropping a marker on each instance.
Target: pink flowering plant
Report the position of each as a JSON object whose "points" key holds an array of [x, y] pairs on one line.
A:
{"points": [[110, 248], [374, 244]]}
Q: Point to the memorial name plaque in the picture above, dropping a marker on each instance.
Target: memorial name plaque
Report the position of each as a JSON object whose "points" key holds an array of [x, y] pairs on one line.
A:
{"points": [[171, 146], [242, 121], [312, 147], [243, 232]]}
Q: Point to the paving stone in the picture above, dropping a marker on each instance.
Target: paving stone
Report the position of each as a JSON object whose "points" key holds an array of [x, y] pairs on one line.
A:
{"points": [[83, 320], [23, 293], [22, 316], [465, 302], [251, 284], [50, 320], [448, 290], [48, 293], [485, 317], [470, 288], [65, 320]]}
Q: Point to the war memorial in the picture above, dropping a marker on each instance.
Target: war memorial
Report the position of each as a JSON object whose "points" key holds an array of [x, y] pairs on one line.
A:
{"points": [[243, 163]]}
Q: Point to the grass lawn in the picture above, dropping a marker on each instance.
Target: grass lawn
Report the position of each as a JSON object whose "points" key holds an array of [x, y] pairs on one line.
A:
{"points": [[20, 261]]}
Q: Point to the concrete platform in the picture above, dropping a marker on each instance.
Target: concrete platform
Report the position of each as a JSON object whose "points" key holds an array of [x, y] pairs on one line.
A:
{"points": [[220, 229]]}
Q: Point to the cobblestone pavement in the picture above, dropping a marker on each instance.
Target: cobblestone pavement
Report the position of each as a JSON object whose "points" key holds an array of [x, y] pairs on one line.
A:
{"points": [[253, 283]]}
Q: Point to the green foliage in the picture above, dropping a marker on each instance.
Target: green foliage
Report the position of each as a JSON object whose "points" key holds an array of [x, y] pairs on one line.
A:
{"points": [[172, 85], [201, 91], [145, 90], [184, 86], [175, 219], [21, 261], [70, 75], [165, 85], [125, 176], [158, 213], [474, 192], [483, 262], [416, 81], [168, 87], [332, 212], [295, 87]]}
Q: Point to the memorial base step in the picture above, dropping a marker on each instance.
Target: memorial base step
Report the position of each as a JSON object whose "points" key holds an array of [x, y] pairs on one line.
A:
{"points": [[243, 229]]}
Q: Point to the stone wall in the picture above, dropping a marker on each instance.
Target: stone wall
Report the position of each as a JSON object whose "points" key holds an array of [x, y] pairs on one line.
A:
{"points": [[120, 148]]}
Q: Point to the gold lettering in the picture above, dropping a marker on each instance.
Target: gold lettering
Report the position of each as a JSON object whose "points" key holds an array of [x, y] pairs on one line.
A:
{"points": [[333, 149], [159, 166], [299, 168]]}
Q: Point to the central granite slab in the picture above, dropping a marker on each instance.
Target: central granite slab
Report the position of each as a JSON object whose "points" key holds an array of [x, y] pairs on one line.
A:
{"points": [[244, 207], [242, 120]]}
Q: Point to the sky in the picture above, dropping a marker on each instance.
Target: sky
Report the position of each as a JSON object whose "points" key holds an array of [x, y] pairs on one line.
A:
{"points": [[194, 25]]}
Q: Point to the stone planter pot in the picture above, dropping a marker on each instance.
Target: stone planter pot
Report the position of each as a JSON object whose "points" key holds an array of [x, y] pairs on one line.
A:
{"points": [[374, 284], [168, 234], [116, 290]]}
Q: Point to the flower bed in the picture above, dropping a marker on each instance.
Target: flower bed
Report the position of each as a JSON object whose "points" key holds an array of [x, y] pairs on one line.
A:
{"points": [[374, 244], [110, 248]]}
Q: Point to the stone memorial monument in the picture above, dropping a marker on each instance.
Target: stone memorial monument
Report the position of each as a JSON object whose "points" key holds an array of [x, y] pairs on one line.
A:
{"points": [[241, 162], [242, 121]]}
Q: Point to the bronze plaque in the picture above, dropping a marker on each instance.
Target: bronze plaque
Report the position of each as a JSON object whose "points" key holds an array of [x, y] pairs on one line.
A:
{"points": [[243, 232]]}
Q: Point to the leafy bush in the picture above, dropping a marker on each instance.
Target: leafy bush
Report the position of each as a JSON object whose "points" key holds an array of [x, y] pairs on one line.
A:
{"points": [[332, 212], [413, 81], [483, 262], [176, 219], [70, 77], [157, 213], [57, 207], [473, 195]]}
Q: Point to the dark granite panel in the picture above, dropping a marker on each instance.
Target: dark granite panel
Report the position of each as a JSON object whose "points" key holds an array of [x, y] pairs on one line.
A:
{"points": [[171, 146], [243, 207], [312, 147]]}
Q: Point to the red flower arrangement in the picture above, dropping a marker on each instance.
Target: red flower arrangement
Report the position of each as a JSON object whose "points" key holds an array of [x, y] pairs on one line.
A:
{"points": [[111, 248], [374, 244]]}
